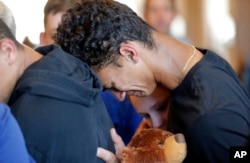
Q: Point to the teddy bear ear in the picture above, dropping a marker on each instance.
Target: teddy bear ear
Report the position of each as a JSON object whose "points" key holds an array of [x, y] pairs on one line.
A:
{"points": [[167, 134], [175, 148], [180, 138]]}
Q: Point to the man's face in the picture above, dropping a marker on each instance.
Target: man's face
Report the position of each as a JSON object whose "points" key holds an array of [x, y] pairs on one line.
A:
{"points": [[51, 25], [127, 79], [159, 14], [154, 108]]}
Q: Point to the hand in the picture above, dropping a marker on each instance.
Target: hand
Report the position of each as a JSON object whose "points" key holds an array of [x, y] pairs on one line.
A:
{"points": [[117, 140], [108, 156]]}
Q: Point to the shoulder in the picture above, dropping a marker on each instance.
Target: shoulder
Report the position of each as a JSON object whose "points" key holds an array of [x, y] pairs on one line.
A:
{"points": [[210, 137], [4, 115], [220, 126], [4, 109], [214, 73]]}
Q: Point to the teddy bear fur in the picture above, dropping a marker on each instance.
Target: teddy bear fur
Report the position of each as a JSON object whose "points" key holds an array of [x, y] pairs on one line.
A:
{"points": [[148, 146]]}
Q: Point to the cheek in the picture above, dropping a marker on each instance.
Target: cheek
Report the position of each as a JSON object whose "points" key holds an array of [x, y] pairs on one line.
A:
{"points": [[150, 18], [49, 40], [153, 20], [164, 115], [141, 104], [104, 77]]}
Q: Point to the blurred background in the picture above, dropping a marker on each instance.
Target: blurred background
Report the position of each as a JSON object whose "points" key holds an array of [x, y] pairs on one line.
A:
{"points": [[220, 25]]}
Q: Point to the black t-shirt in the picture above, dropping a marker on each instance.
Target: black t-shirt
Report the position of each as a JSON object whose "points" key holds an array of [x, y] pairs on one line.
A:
{"points": [[212, 109]]}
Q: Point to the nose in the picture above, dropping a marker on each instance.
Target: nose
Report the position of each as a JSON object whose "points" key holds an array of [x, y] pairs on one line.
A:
{"points": [[156, 120], [180, 138], [119, 95]]}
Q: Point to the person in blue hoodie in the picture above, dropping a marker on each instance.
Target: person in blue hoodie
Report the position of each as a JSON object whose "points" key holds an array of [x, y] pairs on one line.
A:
{"points": [[12, 145], [56, 101], [124, 116]]}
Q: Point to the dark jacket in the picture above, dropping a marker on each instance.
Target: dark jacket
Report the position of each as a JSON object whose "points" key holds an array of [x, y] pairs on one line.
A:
{"points": [[58, 106]]}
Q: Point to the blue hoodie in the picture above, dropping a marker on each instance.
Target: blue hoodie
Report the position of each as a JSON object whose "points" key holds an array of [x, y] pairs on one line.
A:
{"points": [[12, 146], [58, 105]]}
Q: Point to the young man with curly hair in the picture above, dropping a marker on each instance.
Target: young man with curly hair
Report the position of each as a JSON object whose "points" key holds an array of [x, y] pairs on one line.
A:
{"points": [[208, 102], [122, 113]]}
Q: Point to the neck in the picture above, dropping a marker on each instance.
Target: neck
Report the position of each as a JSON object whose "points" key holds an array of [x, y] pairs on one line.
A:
{"points": [[31, 56], [174, 60], [5, 95], [27, 56]]}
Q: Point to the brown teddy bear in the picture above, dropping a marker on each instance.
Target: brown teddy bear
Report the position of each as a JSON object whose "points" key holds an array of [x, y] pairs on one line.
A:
{"points": [[154, 146]]}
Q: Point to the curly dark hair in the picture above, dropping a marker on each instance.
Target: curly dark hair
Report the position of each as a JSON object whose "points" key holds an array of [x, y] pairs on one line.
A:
{"points": [[94, 29]]}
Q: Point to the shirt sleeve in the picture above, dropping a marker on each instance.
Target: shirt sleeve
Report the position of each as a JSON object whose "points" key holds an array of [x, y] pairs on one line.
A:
{"points": [[12, 146]]}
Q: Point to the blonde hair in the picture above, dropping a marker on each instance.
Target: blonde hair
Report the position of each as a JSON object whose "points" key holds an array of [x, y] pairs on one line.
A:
{"points": [[7, 17]]}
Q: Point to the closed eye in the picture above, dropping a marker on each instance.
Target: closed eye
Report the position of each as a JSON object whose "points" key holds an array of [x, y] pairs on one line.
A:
{"points": [[163, 107], [111, 88], [104, 89], [146, 116]]}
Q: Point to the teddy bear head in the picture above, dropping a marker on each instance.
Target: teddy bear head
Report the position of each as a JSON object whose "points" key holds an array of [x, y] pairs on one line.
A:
{"points": [[154, 145]]}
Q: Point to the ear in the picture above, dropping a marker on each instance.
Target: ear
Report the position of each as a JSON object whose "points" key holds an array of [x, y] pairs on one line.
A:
{"points": [[42, 38], [8, 50], [175, 148], [129, 51]]}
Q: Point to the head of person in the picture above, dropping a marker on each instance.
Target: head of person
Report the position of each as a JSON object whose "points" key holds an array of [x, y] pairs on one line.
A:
{"points": [[9, 61], [7, 16], [110, 37], [53, 11], [154, 108], [159, 14]]}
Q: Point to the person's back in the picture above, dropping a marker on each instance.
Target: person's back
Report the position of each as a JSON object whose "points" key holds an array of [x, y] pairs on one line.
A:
{"points": [[58, 106]]}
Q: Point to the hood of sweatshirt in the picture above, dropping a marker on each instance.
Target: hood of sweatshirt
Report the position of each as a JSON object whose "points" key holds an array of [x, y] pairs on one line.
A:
{"points": [[60, 75]]}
